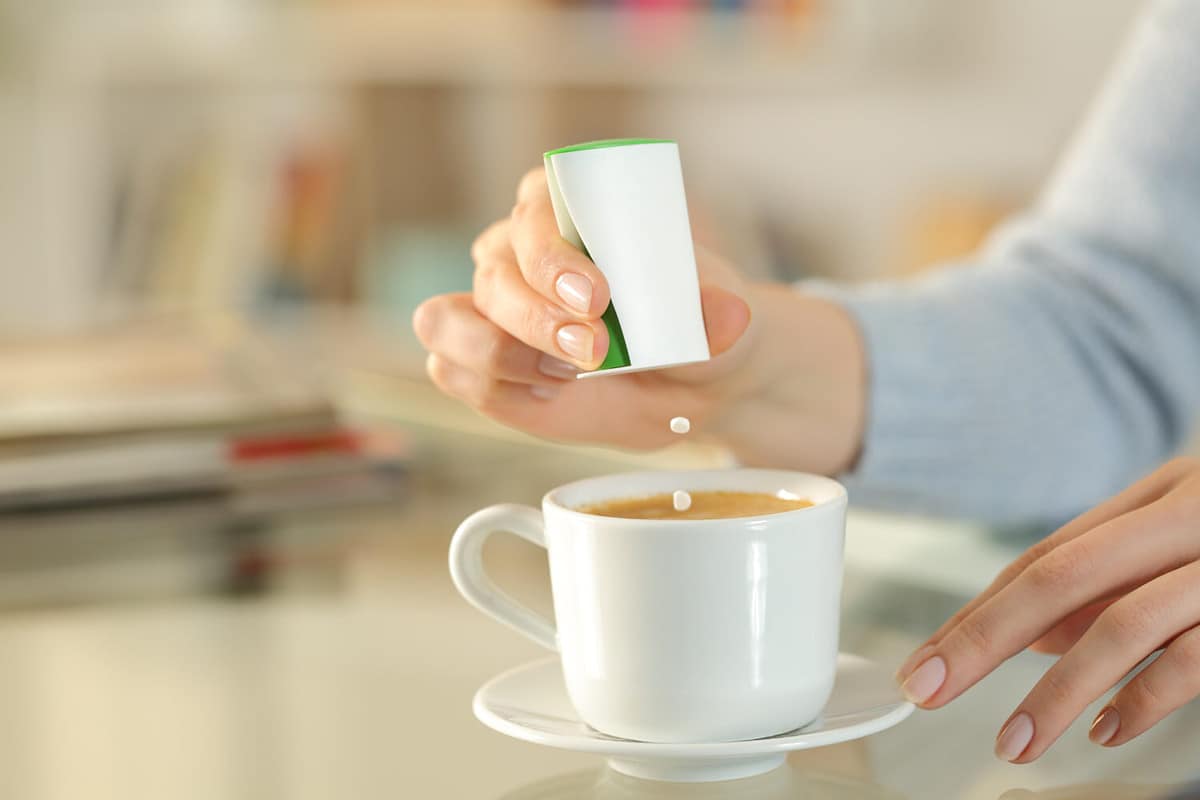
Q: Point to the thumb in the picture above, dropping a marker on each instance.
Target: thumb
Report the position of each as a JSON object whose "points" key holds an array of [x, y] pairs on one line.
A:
{"points": [[726, 317]]}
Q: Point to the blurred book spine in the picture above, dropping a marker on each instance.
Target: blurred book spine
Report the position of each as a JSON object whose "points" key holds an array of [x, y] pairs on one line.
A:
{"points": [[217, 218], [175, 464], [167, 408]]}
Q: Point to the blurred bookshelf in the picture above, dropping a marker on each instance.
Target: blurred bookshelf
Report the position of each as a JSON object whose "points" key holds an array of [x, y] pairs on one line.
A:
{"points": [[198, 157], [213, 157], [648, 43]]}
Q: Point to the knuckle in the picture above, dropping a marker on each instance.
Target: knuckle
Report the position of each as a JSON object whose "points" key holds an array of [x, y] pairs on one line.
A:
{"points": [[425, 320], [479, 248], [535, 325], [1039, 549], [520, 212], [530, 180], [1187, 503], [1183, 465], [1013, 571], [489, 240], [543, 267], [487, 396], [1017, 567], [1140, 698], [1128, 621], [436, 369], [975, 634], [485, 271], [484, 282], [496, 353], [1057, 569], [1056, 687]]}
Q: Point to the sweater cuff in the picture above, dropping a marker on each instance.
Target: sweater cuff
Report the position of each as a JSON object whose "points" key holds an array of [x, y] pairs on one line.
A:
{"points": [[903, 441]]}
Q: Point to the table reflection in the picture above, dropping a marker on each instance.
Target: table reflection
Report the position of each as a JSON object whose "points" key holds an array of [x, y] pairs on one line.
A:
{"points": [[797, 781], [1110, 791], [786, 783]]}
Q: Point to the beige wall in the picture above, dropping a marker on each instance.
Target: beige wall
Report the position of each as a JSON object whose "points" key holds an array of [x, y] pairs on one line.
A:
{"points": [[988, 114]]}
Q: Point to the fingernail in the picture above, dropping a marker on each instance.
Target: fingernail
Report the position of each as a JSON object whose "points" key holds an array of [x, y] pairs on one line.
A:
{"points": [[576, 341], [925, 680], [1107, 723], [575, 290], [543, 392], [917, 657], [1014, 737], [556, 367]]}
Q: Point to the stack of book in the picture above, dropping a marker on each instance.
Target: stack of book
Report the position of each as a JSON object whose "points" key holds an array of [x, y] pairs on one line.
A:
{"points": [[157, 408]]}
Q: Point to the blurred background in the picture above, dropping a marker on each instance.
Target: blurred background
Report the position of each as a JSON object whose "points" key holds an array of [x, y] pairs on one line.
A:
{"points": [[259, 155], [225, 485]]}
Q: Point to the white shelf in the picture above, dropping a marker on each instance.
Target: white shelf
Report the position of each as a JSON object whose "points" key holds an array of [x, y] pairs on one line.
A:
{"points": [[484, 46]]}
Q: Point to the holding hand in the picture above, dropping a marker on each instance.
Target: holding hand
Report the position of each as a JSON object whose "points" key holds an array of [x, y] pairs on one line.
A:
{"points": [[784, 386], [1108, 589], [512, 347]]}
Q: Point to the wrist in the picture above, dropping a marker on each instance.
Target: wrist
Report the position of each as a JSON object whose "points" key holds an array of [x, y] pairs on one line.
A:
{"points": [[797, 397]]}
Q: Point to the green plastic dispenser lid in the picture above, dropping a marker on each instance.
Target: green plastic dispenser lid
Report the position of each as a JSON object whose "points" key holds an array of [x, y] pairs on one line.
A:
{"points": [[602, 143]]}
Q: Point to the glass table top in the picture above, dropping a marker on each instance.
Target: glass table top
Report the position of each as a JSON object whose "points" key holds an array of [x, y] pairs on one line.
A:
{"points": [[188, 650]]}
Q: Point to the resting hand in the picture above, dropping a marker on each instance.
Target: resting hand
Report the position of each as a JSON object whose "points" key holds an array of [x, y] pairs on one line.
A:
{"points": [[1113, 586]]}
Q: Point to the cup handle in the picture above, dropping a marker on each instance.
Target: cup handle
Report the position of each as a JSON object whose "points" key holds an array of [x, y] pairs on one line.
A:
{"points": [[472, 581]]}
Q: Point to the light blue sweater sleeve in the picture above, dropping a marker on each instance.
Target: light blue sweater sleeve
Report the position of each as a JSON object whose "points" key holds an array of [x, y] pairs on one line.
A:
{"points": [[1064, 361]]}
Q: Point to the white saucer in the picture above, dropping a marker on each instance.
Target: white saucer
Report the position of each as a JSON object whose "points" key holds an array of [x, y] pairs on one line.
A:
{"points": [[530, 702]]}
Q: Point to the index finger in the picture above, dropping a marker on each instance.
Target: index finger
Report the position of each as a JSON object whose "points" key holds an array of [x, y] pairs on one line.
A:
{"points": [[1143, 493], [1129, 549], [554, 267]]}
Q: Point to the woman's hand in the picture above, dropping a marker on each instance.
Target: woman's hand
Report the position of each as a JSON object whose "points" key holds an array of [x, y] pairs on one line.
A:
{"points": [[1113, 586], [784, 386]]}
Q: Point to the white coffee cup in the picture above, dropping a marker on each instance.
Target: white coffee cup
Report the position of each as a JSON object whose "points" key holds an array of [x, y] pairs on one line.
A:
{"points": [[680, 630]]}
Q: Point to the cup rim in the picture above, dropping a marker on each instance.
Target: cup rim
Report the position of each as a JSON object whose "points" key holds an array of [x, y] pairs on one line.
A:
{"points": [[839, 497]]}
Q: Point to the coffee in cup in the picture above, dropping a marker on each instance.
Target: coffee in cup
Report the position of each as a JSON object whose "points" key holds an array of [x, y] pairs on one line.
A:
{"points": [[704, 505]]}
